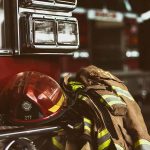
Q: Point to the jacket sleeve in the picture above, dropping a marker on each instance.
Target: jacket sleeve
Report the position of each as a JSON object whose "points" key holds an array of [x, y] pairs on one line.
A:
{"points": [[133, 120], [135, 124]]}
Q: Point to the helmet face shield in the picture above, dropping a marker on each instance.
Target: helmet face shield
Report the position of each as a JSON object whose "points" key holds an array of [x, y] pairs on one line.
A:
{"points": [[33, 97]]}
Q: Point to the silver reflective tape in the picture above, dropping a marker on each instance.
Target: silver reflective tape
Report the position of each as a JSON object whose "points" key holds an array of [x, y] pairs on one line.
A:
{"points": [[112, 99], [122, 92], [119, 147], [142, 144]]}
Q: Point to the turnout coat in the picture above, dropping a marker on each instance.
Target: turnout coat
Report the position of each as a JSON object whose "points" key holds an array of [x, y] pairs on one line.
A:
{"points": [[112, 118]]}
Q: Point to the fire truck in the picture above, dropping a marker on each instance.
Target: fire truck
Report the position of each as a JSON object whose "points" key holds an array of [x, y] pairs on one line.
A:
{"points": [[34, 36], [43, 36]]}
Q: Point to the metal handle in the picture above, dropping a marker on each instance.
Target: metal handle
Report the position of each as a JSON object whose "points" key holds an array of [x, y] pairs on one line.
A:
{"points": [[32, 131]]}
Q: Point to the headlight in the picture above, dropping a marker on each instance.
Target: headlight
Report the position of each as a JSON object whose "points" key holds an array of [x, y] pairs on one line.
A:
{"points": [[67, 33], [43, 31], [37, 31]]}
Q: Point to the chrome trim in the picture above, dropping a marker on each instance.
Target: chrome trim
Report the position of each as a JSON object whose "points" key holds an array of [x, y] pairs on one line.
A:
{"points": [[18, 29], [42, 11], [5, 52], [56, 47], [49, 53], [36, 15], [66, 1], [40, 3], [54, 5], [2, 30], [27, 132], [13, 14], [59, 5]]}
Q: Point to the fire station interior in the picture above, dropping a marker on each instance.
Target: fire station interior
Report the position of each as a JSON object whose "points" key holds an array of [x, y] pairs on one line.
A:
{"points": [[57, 39]]}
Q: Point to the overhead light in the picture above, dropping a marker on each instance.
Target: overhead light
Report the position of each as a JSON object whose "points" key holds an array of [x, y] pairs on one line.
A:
{"points": [[67, 33], [127, 5], [131, 15], [105, 15], [82, 54], [145, 16], [132, 54], [80, 10]]}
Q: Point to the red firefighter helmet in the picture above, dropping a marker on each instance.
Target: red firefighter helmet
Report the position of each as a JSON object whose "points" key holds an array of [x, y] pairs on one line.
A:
{"points": [[33, 97]]}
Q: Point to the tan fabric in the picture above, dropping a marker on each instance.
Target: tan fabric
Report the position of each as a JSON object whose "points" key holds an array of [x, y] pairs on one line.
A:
{"points": [[74, 146], [133, 120], [124, 139], [131, 125], [70, 145], [87, 146], [117, 109], [97, 73]]}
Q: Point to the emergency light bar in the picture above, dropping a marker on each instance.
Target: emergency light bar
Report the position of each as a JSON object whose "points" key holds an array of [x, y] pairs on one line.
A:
{"points": [[48, 32], [53, 4]]}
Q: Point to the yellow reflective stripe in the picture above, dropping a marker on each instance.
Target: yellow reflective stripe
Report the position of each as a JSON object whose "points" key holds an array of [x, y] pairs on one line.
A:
{"points": [[87, 124], [102, 133], [82, 97], [57, 143], [119, 147], [58, 105], [87, 120], [104, 145], [141, 142], [75, 85], [87, 128], [75, 82], [122, 92], [104, 139], [102, 100]]}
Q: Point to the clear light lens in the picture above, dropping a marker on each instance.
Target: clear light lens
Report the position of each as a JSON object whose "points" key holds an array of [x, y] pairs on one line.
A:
{"points": [[44, 32], [67, 33]]}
